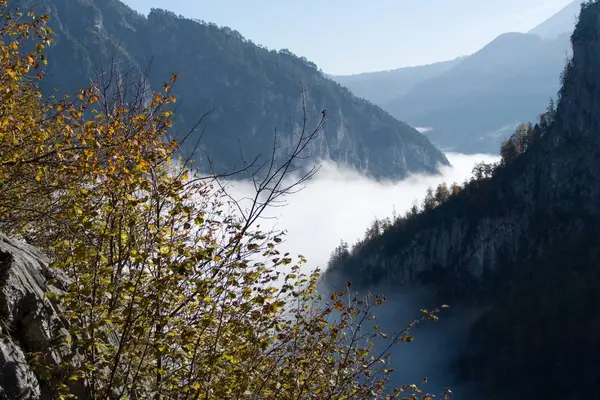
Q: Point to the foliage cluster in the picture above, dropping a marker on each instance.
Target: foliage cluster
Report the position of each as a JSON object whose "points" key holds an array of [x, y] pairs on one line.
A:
{"points": [[164, 294]]}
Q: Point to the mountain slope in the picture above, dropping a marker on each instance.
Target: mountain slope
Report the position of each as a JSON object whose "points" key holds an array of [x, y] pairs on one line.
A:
{"points": [[561, 22], [250, 89], [383, 86], [474, 106], [524, 243]]}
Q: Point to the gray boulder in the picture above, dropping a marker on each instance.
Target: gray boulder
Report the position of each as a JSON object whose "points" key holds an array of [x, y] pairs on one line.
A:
{"points": [[29, 321]]}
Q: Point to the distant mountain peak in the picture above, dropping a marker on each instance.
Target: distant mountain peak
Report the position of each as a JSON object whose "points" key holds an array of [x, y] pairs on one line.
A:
{"points": [[562, 22]]}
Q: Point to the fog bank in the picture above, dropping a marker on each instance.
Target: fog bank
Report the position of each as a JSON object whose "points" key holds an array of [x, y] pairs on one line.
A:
{"points": [[339, 204]]}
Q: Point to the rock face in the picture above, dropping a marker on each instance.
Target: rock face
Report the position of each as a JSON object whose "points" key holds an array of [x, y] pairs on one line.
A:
{"points": [[524, 243], [251, 90], [546, 195], [28, 320]]}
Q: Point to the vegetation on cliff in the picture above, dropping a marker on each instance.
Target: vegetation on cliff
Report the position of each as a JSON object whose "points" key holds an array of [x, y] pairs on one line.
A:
{"points": [[521, 239], [390, 233], [247, 90]]}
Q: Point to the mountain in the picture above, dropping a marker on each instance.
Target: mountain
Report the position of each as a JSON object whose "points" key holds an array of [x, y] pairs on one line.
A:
{"points": [[561, 22], [251, 90], [383, 86], [520, 242], [473, 103], [476, 104]]}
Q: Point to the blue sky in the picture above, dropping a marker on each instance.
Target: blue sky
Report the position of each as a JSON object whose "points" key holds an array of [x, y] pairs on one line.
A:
{"points": [[351, 36]]}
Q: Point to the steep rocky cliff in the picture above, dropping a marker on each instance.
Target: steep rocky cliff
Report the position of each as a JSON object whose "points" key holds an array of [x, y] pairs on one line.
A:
{"points": [[524, 240], [546, 193], [251, 90], [28, 319]]}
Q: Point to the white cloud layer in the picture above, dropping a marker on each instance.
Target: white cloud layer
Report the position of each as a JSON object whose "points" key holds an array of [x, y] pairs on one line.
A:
{"points": [[339, 204]]}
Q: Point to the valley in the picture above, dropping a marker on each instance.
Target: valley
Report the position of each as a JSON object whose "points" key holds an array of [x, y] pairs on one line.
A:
{"points": [[187, 214], [476, 101], [517, 243]]}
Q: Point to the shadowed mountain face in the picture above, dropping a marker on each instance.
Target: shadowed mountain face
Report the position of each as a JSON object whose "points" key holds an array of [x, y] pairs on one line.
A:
{"points": [[251, 91], [520, 244]]}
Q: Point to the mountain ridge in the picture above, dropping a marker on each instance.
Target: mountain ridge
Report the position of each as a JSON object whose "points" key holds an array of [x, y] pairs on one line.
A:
{"points": [[561, 22], [250, 89], [382, 86], [473, 103], [504, 83]]}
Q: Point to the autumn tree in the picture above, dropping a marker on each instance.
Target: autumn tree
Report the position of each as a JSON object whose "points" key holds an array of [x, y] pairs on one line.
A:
{"points": [[387, 223], [413, 211], [374, 230], [442, 193], [547, 117], [429, 202], [527, 134], [521, 137], [455, 189], [164, 293], [508, 151]]}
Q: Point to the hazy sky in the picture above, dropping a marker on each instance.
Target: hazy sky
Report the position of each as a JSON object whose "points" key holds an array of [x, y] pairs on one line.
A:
{"points": [[351, 36]]}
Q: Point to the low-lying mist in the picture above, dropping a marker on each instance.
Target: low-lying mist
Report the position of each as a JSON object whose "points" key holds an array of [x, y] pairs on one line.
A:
{"points": [[339, 204]]}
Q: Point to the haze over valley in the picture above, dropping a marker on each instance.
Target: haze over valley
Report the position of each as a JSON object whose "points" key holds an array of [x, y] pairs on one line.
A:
{"points": [[174, 173], [342, 203], [472, 103]]}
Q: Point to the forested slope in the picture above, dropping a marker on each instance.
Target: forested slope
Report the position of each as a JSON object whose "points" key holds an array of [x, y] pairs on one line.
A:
{"points": [[520, 238]]}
